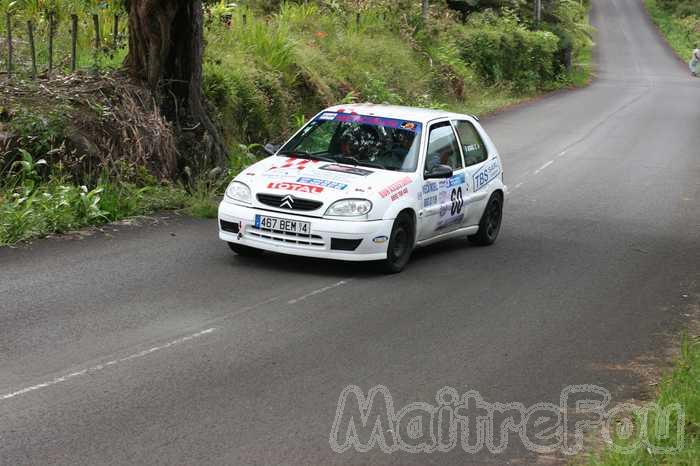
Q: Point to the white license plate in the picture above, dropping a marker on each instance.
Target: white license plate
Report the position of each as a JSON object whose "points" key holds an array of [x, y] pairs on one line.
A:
{"points": [[282, 224]]}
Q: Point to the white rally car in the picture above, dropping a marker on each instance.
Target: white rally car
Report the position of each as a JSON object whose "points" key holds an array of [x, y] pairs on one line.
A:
{"points": [[368, 182]]}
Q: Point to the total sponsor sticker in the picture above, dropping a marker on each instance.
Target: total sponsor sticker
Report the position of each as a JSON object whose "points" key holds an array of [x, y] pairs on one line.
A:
{"points": [[296, 187]]}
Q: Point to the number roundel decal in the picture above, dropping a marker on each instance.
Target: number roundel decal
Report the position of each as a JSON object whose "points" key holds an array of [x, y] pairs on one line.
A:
{"points": [[457, 201]]}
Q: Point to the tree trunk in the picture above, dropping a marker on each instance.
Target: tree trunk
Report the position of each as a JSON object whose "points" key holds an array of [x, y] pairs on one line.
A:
{"points": [[165, 53]]}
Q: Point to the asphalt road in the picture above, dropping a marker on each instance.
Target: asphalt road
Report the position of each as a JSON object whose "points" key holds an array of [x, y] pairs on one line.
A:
{"points": [[156, 345]]}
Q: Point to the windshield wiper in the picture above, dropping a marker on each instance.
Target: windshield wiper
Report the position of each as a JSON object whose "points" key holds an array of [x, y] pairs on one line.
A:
{"points": [[354, 161], [300, 154]]}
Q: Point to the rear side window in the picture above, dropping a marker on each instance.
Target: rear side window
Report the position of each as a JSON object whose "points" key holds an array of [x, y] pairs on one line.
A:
{"points": [[443, 148], [472, 144]]}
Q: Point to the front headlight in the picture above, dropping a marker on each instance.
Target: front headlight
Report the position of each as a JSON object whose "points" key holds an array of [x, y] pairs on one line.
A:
{"points": [[349, 208], [238, 192]]}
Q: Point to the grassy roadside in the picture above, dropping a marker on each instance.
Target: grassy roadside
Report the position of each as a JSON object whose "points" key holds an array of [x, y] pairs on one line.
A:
{"points": [[680, 30], [264, 76], [41, 208], [681, 387]]}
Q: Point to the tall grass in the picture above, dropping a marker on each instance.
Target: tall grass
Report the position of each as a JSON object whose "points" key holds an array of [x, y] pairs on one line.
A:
{"points": [[264, 73], [34, 203], [682, 386]]}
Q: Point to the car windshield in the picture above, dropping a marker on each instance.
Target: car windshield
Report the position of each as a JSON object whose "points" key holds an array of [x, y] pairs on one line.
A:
{"points": [[353, 139]]}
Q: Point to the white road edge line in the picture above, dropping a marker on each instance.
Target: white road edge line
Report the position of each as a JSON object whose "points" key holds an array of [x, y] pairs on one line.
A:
{"points": [[319, 291], [544, 166], [100, 367]]}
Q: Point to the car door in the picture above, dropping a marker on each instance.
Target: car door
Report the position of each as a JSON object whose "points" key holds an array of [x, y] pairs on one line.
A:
{"points": [[443, 199], [478, 175]]}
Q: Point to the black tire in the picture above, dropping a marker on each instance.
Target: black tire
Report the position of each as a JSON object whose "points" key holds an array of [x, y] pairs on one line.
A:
{"points": [[245, 251], [401, 244], [490, 224]]}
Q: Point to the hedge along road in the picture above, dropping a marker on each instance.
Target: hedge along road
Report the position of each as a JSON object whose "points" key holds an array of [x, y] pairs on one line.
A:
{"points": [[157, 346]]}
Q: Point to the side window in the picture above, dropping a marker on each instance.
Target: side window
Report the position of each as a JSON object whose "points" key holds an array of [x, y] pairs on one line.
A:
{"points": [[472, 144], [443, 148]]}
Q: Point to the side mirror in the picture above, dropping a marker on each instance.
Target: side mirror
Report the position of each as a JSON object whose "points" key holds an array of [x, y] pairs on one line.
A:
{"points": [[439, 172], [271, 148]]}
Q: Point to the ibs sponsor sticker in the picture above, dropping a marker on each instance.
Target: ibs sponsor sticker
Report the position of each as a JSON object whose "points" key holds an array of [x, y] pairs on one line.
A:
{"points": [[486, 174], [323, 183]]}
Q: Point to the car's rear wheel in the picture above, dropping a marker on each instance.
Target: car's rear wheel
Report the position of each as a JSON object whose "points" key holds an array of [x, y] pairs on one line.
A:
{"points": [[490, 224], [400, 244], [244, 250]]}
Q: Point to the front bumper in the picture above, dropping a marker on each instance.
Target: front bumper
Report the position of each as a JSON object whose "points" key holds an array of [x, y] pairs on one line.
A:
{"points": [[319, 242]]}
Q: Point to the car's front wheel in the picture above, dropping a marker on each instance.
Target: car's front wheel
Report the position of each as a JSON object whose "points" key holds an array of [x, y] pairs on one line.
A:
{"points": [[490, 224], [244, 250], [400, 244]]}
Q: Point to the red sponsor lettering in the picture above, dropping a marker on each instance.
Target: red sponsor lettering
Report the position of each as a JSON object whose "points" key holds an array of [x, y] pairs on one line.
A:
{"points": [[296, 187], [392, 188], [399, 194]]}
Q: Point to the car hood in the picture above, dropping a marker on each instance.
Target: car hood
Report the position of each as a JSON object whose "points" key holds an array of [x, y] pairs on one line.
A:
{"points": [[317, 180]]}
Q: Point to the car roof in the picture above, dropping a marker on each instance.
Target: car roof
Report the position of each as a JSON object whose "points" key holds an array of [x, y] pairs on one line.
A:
{"points": [[399, 112]]}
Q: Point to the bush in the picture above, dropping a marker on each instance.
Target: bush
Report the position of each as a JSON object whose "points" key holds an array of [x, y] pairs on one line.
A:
{"points": [[249, 104], [680, 8], [503, 50], [682, 32]]}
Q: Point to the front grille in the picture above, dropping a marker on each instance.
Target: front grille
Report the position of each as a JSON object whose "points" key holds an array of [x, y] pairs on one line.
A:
{"points": [[285, 237], [299, 204]]}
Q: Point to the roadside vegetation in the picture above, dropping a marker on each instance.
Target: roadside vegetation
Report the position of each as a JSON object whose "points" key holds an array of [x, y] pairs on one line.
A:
{"points": [[681, 386], [679, 21], [87, 148]]}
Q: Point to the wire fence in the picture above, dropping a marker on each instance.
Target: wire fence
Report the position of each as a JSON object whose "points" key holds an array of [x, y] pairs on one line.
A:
{"points": [[54, 43]]}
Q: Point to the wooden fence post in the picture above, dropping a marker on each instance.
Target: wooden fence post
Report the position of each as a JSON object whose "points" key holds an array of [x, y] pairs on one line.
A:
{"points": [[96, 23], [51, 33], [424, 11], [32, 47], [74, 42], [9, 44]]}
